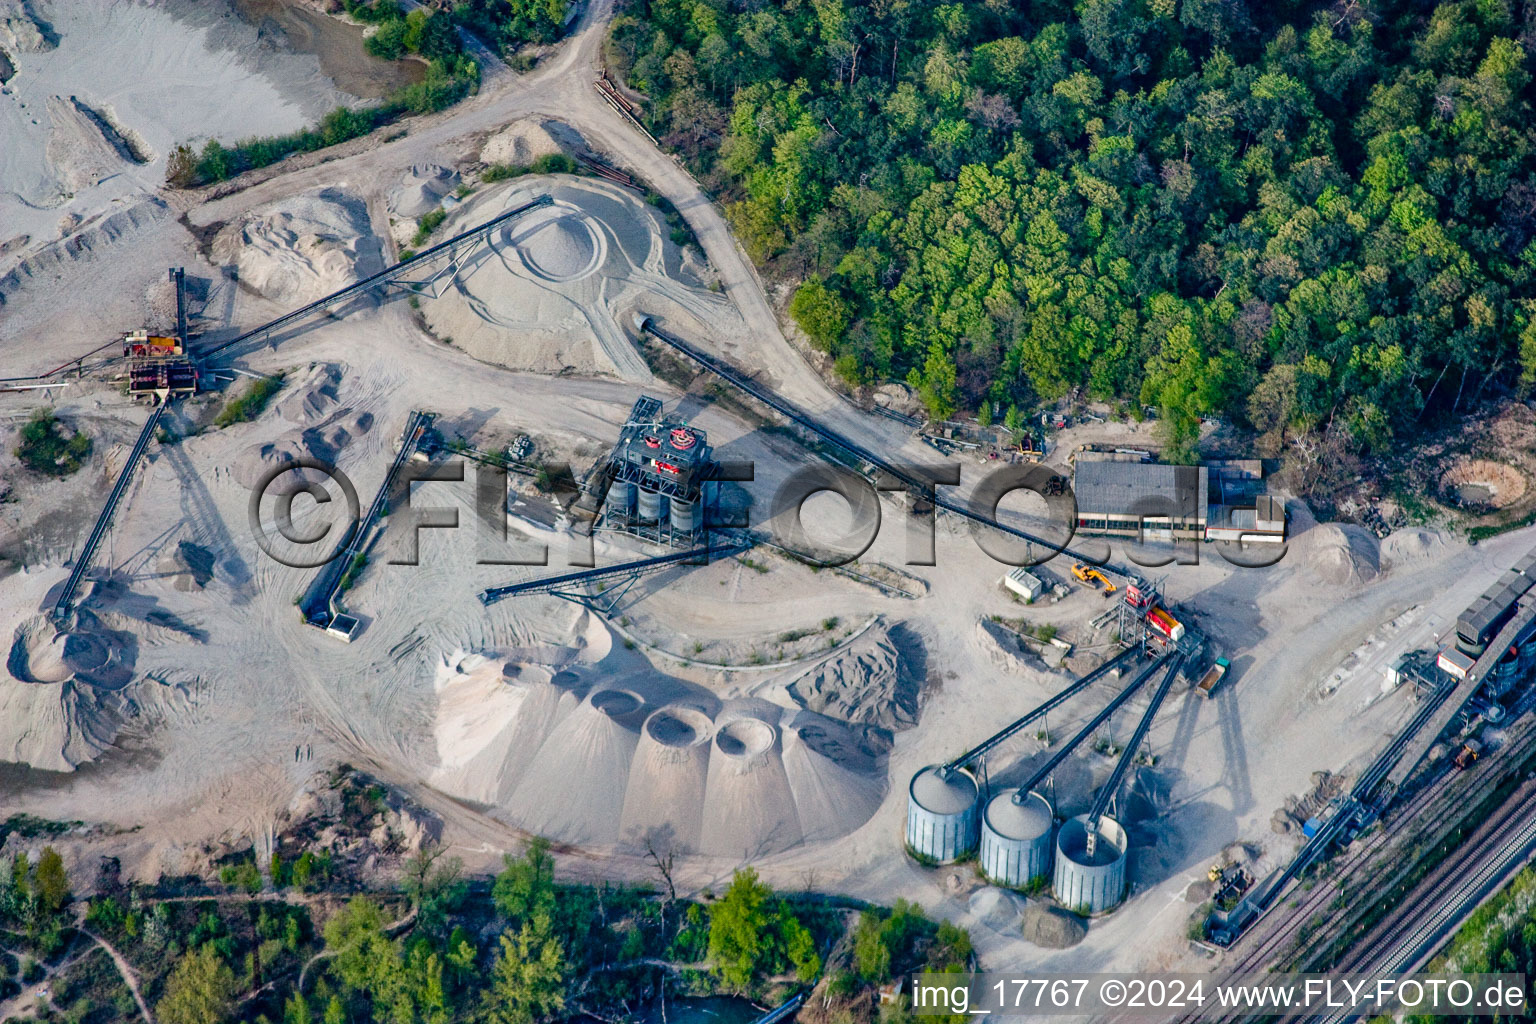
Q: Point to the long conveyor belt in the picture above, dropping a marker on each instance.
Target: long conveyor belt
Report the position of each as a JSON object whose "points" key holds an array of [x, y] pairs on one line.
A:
{"points": [[742, 382], [1040, 711], [548, 584], [1099, 719], [65, 602], [1107, 791]]}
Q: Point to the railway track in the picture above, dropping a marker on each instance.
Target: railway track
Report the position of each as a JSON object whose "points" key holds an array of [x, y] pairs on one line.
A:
{"points": [[1264, 946], [1272, 942], [1405, 938]]}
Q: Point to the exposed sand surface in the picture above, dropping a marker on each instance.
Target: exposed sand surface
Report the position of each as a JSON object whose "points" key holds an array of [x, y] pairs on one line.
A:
{"points": [[303, 248], [669, 717], [166, 72], [553, 290]]}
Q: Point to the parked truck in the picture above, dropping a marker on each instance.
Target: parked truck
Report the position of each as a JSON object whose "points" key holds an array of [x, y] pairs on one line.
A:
{"points": [[1213, 677]]}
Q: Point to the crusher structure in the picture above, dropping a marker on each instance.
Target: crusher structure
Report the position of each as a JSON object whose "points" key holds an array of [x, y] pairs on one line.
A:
{"points": [[159, 368], [659, 482]]}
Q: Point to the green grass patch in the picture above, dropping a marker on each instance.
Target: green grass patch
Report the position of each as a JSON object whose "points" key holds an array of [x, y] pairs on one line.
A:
{"points": [[354, 570], [251, 404], [428, 224], [49, 447]]}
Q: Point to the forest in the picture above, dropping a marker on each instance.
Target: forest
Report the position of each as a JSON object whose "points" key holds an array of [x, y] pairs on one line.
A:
{"points": [[1313, 219], [301, 941]]}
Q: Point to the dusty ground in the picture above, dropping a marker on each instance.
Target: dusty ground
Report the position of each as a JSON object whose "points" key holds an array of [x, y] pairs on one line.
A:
{"points": [[238, 706]]}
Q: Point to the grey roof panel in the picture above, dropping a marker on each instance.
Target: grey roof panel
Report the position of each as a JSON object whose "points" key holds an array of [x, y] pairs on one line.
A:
{"points": [[1141, 488]]}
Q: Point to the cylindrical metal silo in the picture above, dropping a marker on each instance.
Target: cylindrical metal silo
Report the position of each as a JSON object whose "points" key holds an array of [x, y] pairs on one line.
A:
{"points": [[684, 515], [1016, 839], [651, 506], [943, 813], [1090, 884], [621, 498]]}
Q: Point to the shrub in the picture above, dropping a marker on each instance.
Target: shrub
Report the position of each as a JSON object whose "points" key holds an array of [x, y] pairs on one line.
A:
{"points": [[502, 172], [251, 404], [553, 163], [48, 447], [428, 224]]}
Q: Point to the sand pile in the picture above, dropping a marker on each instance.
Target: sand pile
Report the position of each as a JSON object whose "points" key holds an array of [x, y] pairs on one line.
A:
{"points": [[78, 153], [876, 680], [310, 399], [300, 249], [190, 566], [749, 808], [1052, 927], [1340, 553], [553, 290], [665, 798], [575, 786], [323, 441], [423, 189], [53, 260], [1006, 649], [996, 908], [643, 757], [60, 704], [477, 758], [833, 781], [19, 31], [1411, 546], [521, 142]]}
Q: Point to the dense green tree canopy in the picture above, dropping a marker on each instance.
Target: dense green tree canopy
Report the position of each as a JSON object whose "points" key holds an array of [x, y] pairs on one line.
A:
{"points": [[1314, 214]]}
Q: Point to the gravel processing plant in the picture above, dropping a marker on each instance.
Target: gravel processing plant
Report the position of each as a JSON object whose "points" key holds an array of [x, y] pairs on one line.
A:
{"points": [[570, 599]]}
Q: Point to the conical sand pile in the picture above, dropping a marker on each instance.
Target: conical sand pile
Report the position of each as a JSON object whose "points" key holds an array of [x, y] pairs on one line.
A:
{"points": [[665, 799], [479, 755], [835, 786], [58, 707], [549, 702], [749, 809], [574, 790]]}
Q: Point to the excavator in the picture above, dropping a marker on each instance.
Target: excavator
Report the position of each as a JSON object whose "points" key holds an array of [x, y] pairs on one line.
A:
{"points": [[1093, 577]]}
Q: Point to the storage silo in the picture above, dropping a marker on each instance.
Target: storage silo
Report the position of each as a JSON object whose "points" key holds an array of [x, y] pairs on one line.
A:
{"points": [[621, 498], [943, 811], [667, 778], [651, 507], [1090, 883], [684, 515], [1016, 838]]}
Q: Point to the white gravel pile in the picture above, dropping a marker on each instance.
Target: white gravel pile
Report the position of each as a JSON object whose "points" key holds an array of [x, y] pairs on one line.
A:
{"points": [[301, 249]]}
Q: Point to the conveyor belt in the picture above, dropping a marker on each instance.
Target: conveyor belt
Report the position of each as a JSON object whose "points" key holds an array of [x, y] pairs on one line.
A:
{"points": [[1413, 748], [62, 606], [1107, 792], [1050, 705], [548, 584], [385, 275], [1099, 719], [741, 381], [317, 604]]}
